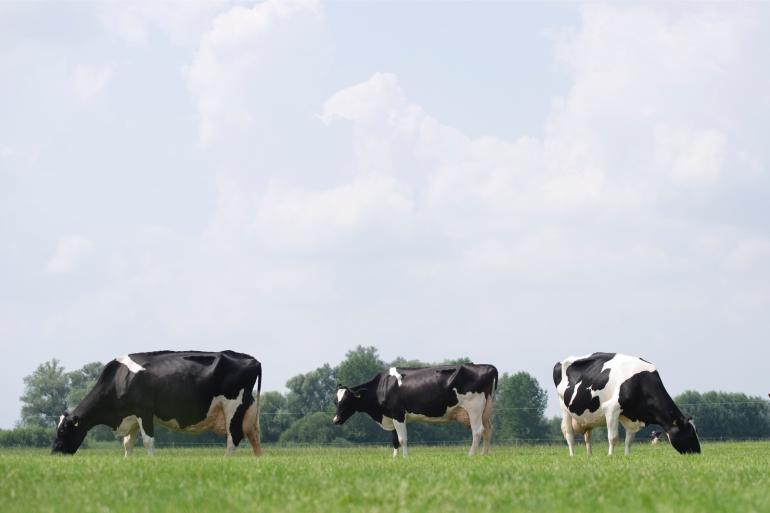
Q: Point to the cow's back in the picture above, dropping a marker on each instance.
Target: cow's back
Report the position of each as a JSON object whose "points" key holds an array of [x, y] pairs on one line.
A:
{"points": [[431, 390], [589, 382], [182, 385]]}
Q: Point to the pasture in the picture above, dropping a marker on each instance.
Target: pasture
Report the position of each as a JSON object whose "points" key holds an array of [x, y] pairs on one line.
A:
{"points": [[727, 477]]}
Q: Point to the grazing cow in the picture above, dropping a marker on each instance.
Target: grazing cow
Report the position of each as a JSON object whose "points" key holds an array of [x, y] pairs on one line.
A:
{"points": [[188, 391], [463, 393], [611, 388]]}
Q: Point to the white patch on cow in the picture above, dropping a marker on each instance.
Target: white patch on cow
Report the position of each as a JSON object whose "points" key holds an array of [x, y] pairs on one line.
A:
{"points": [[61, 419], [393, 372], [387, 423], [131, 364], [402, 438], [575, 392], [341, 394]]}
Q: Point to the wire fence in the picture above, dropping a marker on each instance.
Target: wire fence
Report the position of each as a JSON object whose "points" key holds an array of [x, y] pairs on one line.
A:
{"points": [[529, 408], [736, 412]]}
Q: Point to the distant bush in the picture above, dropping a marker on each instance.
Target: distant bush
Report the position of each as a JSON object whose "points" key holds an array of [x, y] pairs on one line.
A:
{"points": [[26, 437]]}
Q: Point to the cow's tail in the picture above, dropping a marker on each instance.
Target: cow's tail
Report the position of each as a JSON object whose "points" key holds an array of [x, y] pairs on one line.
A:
{"points": [[494, 381], [489, 404], [259, 391]]}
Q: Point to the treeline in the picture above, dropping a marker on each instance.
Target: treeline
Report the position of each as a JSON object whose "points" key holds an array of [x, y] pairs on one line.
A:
{"points": [[303, 414]]}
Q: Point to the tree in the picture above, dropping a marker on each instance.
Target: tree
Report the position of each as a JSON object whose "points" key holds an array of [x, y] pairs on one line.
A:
{"points": [[519, 409], [400, 361], [274, 416], [726, 415], [359, 366], [311, 392], [81, 381], [313, 429], [45, 395]]}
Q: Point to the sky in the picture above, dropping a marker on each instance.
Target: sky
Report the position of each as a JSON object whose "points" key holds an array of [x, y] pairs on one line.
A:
{"points": [[511, 182]]}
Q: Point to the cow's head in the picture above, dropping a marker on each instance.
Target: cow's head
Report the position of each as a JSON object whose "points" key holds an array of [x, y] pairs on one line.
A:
{"points": [[683, 436], [347, 401], [69, 435]]}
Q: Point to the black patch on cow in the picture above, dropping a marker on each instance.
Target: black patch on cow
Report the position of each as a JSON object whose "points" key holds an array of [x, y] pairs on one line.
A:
{"points": [[642, 397], [557, 374], [589, 374]]}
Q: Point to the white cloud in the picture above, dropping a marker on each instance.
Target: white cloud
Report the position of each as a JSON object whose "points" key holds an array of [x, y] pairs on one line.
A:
{"points": [[300, 219], [71, 251], [135, 21], [380, 97], [255, 65], [749, 255], [691, 157], [89, 81]]}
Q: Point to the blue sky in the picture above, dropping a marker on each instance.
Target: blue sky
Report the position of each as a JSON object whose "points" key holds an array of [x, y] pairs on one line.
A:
{"points": [[513, 182]]}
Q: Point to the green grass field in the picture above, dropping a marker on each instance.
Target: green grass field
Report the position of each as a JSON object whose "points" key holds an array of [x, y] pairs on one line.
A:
{"points": [[732, 477]]}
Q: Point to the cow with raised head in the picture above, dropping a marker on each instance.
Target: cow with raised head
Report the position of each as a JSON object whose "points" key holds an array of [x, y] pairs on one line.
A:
{"points": [[611, 389], [463, 393], [187, 391]]}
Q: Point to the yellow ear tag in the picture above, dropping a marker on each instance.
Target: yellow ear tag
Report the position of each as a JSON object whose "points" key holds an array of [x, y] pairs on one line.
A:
{"points": [[76, 423]]}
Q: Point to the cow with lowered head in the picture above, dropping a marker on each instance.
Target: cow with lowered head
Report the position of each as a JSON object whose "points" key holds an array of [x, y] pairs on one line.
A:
{"points": [[611, 389], [189, 391], [463, 393]]}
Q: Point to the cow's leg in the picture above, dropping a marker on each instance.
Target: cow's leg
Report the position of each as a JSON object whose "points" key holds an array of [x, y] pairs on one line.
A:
{"points": [[613, 425], [568, 432], [629, 440], [395, 443], [128, 441], [486, 419], [233, 429], [474, 405], [401, 435], [631, 429], [148, 430], [587, 438], [251, 428]]}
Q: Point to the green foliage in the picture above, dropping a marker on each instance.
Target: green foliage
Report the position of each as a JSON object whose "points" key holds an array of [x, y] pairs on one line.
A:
{"points": [[519, 408], [311, 392], [26, 437], [81, 381], [400, 361], [725, 415], [457, 361], [359, 366], [275, 417], [315, 428], [45, 395]]}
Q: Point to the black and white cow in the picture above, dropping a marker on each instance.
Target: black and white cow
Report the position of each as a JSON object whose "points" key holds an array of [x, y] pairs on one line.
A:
{"points": [[463, 393], [612, 388], [189, 391]]}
